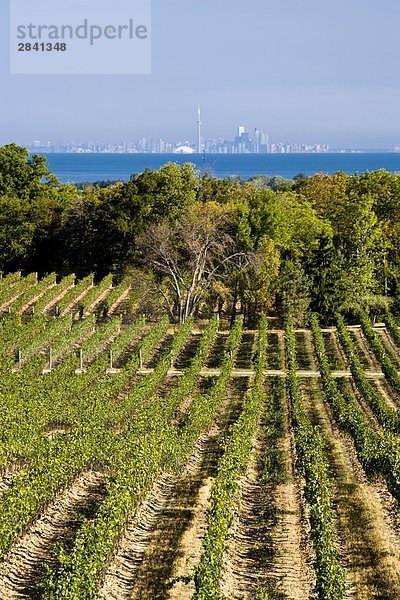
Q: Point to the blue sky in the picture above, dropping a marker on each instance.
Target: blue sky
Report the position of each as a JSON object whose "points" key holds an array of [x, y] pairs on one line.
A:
{"points": [[311, 71]]}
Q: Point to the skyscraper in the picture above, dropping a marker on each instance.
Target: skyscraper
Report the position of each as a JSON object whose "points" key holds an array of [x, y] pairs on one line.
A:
{"points": [[256, 141], [264, 138], [265, 145]]}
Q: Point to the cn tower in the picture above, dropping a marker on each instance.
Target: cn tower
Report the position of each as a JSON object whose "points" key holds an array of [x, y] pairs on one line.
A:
{"points": [[199, 144]]}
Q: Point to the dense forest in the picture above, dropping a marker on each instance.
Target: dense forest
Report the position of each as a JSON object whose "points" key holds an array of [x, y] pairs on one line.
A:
{"points": [[196, 245]]}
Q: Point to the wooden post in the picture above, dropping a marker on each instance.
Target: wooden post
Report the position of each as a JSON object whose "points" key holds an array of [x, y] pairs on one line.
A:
{"points": [[81, 359], [140, 359], [50, 358], [172, 361]]}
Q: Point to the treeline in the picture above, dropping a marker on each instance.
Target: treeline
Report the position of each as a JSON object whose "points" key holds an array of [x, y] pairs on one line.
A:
{"points": [[197, 245]]}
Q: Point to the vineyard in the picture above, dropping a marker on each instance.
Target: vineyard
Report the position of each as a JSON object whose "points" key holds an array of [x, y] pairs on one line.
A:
{"points": [[146, 460]]}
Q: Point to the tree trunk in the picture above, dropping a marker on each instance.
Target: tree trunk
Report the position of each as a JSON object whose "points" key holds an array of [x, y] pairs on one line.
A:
{"points": [[234, 306]]}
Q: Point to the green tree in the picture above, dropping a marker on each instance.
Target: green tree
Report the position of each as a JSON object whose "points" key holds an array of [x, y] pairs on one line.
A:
{"points": [[21, 174], [356, 234], [16, 233], [169, 192], [294, 296], [325, 193], [259, 280]]}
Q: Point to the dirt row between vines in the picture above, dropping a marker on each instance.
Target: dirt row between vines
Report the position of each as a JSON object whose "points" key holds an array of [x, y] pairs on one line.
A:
{"points": [[244, 359], [384, 388], [269, 551], [276, 351], [34, 299], [364, 351], [88, 358], [334, 351], [53, 303], [163, 541], [304, 349], [131, 348], [188, 352], [369, 539], [73, 305], [390, 346], [119, 301], [89, 309], [22, 569], [350, 387]]}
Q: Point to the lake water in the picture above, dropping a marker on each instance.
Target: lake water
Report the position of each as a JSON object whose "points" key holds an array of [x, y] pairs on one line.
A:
{"points": [[95, 167]]}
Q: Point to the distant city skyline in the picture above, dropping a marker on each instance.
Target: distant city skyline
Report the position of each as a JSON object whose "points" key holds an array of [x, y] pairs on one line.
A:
{"points": [[209, 146], [245, 141]]}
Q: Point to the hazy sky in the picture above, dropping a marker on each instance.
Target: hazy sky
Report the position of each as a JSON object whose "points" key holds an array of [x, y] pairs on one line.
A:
{"points": [[306, 71]]}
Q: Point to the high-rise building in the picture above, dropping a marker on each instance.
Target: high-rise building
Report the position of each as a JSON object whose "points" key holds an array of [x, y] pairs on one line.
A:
{"points": [[264, 138], [256, 141], [264, 142]]}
